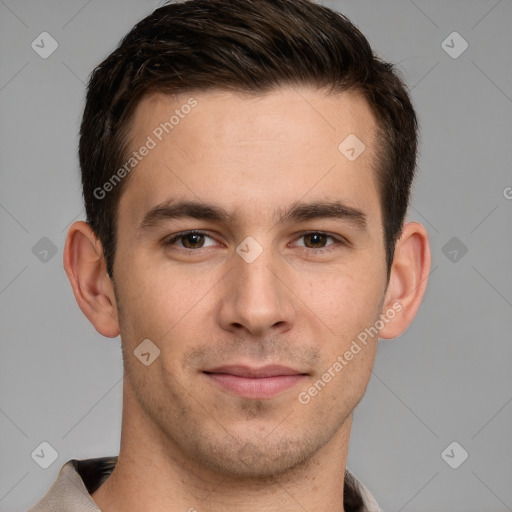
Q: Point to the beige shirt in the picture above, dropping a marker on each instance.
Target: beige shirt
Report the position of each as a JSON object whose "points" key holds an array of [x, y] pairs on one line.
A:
{"points": [[78, 479]]}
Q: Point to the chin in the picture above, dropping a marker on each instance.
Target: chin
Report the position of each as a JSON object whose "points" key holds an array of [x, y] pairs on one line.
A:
{"points": [[258, 460]]}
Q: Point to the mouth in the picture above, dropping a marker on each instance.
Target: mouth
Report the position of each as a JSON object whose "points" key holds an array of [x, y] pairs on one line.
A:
{"points": [[256, 383]]}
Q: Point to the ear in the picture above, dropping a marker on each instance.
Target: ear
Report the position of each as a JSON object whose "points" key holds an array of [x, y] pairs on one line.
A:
{"points": [[86, 270], [408, 279]]}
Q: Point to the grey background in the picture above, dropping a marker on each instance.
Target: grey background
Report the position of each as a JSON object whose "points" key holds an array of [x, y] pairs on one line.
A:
{"points": [[446, 379]]}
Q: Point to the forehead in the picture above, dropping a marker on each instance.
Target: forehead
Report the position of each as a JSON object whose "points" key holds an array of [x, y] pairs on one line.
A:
{"points": [[252, 152], [250, 117]]}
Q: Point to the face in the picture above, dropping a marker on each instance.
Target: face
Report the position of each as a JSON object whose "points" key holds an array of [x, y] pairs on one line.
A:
{"points": [[251, 253]]}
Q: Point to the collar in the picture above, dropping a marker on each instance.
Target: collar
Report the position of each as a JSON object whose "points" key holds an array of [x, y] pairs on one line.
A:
{"points": [[78, 479]]}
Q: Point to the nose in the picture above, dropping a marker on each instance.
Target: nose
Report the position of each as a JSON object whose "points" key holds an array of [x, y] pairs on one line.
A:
{"points": [[256, 298]]}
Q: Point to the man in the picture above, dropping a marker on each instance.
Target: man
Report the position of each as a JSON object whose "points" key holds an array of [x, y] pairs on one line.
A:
{"points": [[246, 169]]}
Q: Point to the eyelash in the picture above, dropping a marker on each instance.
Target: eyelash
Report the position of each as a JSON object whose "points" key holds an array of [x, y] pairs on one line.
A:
{"points": [[321, 250]]}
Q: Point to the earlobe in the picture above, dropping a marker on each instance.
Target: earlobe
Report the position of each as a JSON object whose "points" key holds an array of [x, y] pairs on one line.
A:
{"points": [[85, 267], [408, 279]]}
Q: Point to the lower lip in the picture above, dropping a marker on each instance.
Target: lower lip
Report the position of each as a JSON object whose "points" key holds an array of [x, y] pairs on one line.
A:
{"points": [[256, 388]]}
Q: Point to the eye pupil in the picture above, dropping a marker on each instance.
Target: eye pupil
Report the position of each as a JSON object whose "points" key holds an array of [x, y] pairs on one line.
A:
{"points": [[193, 240], [317, 239]]}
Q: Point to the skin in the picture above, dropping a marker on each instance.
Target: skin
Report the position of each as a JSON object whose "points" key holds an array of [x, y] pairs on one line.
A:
{"points": [[186, 443]]}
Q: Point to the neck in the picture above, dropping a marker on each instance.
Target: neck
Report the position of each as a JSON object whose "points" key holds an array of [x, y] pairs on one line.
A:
{"points": [[153, 475]]}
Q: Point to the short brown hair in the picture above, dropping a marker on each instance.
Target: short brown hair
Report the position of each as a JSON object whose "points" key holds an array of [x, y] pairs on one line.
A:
{"points": [[252, 46]]}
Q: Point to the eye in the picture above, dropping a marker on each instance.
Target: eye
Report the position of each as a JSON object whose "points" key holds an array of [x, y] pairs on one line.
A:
{"points": [[317, 240], [190, 240]]}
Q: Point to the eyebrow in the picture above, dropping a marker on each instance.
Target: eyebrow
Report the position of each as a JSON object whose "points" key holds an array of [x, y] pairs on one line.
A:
{"points": [[298, 212]]}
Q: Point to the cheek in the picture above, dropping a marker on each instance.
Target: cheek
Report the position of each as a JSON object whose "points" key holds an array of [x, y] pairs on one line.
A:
{"points": [[345, 308], [159, 303], [349, 387], [346, 299]]}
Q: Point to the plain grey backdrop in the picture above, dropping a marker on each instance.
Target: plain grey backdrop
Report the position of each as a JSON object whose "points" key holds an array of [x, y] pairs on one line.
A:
{"points": [[446, 380]]}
